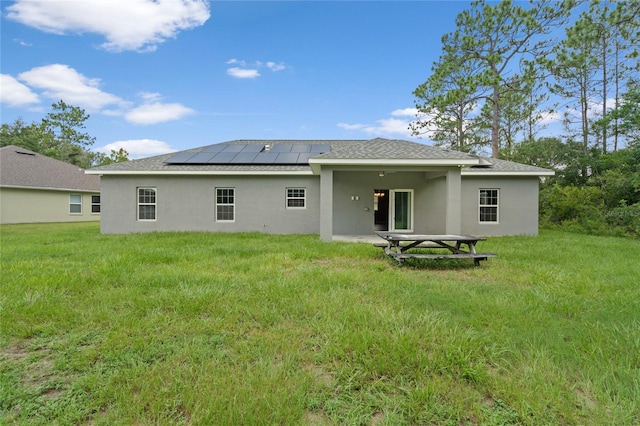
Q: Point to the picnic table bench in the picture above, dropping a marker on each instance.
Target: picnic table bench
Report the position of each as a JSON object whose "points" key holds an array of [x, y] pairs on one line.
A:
{"points": [[398, 245]]}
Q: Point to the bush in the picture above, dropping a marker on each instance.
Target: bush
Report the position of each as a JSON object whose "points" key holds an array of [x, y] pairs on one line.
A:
{"points": [[626, 218], [571, 203]]}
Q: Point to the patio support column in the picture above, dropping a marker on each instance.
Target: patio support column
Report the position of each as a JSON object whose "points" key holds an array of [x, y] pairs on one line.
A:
{"points": [[326, 204], [453, 203]]}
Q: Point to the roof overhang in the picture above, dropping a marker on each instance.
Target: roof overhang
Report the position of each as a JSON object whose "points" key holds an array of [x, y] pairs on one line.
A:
{"points": [[317, 163], [47, 188], [471, 172], [201, 172]]}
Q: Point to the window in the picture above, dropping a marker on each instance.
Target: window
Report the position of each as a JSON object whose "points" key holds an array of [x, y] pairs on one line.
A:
{"points": [[146, 204], [296, 198], [225, 204], [95, 204], [75, 203], [488, 205]]}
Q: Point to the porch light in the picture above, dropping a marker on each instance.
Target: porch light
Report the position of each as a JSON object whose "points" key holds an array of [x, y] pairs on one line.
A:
{"points": [[381, 174]]}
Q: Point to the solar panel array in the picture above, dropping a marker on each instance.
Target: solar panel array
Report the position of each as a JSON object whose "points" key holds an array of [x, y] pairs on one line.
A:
{"points": [[277, 154]]}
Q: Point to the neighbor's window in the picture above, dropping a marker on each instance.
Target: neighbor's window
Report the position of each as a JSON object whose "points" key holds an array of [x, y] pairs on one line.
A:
{"points": [[75, 203], [225, 204], [95, 204], [488, 205], [296, 198], [147, 204]]}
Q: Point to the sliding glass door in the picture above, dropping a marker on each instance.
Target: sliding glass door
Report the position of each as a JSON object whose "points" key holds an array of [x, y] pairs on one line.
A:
{"points": [[401, 210]]}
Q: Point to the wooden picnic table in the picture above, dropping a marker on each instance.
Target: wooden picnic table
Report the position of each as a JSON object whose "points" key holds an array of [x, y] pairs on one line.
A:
{"points": [[398, 245]]}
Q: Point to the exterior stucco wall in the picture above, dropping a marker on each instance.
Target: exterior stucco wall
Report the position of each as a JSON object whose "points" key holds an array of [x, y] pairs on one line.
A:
{"points": [[356, 217], [21, 205], [517, 205], [187, 203], [435, 209]]}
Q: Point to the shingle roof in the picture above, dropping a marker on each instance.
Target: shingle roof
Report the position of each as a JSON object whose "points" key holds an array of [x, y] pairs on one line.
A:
{"points": [[391, 149], [157, 164], [341, 150], [20, 167], [497, 166]]}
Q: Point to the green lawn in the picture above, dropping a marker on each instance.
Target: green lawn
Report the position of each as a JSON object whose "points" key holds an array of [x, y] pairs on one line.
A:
{"points": [[251, 329]]}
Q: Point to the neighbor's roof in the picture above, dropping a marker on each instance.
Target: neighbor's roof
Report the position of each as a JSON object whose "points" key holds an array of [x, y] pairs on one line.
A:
{"points": [[22, 168], [374, 152]]}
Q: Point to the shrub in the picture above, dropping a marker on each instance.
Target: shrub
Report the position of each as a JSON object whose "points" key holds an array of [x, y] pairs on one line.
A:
{"points": [[626, 218], [571, 203]]}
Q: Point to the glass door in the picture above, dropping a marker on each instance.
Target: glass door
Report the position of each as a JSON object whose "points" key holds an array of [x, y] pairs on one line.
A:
{"points": [[401, 210]]}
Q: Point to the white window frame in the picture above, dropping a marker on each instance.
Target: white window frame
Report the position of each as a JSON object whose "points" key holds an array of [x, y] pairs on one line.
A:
{"points": [[94, 205], [495, 206], [232, 204], [77, 204], [140, 204], [291, 195]]}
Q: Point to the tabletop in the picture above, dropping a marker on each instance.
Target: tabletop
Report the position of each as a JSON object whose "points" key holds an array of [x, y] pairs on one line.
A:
{"points": [[424, 237]]}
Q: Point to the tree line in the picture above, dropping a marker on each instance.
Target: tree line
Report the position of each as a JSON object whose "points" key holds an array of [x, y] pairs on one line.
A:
{"points": [[60, 135], [509, 68]]}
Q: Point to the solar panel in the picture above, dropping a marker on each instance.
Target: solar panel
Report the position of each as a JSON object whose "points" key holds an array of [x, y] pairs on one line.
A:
{"points": [[234, 148], [252, 148], [244, 158], [222, 158], [201, 158], [265, 158], [282, 153], [180, 158], [282, 147], [320, 148], [213, 148], [301, 148], [287, 158], [303, 158]]}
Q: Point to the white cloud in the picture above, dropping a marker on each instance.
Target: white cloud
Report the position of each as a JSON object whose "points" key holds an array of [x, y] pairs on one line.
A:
{"points": [[390, 126], [139, 25], [14, 93], [22, 42], [243, 73], [276, 67], [406, 112], [137, 148], [246, 69], [156, 112], [234, 61], [62, 82], [551, 117], [149, 97], [347, 126], [386, 126]]}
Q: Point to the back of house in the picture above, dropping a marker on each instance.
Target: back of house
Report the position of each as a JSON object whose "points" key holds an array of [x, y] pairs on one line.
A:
{"points": [[326, 187]]}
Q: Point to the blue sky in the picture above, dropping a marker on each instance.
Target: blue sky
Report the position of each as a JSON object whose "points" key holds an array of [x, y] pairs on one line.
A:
{"points": [[164, 76]]}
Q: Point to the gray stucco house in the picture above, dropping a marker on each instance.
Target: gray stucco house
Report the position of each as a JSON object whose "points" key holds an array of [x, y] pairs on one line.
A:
{"points": [[37, 188], [325, 187]]}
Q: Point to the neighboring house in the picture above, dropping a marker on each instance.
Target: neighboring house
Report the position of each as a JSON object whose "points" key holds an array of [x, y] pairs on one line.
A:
{"points": [[36, 188], [328, 187]]}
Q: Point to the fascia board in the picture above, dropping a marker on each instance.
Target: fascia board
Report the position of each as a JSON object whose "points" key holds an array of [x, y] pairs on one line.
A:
{"points": [[45, 188], [510, 173], [317, 163], [393, 162], [200, 173]]}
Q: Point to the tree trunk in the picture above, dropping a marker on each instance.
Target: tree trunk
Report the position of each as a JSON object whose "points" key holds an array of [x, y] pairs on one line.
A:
{"points": [[495, 126], [604, 93]]}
